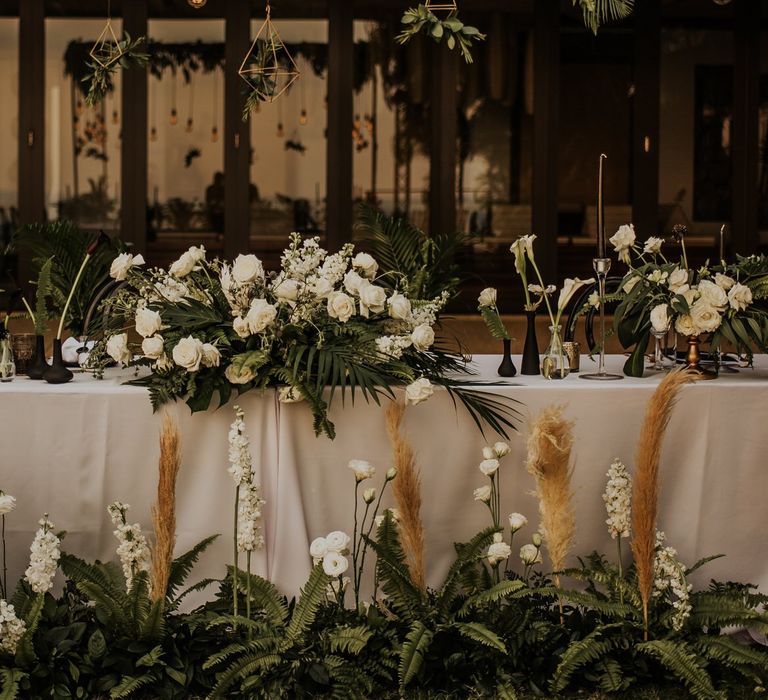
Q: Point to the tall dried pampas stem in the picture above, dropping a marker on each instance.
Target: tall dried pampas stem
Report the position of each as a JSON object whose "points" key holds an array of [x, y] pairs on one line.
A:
{"points": [[407, 490], [645, 492], [164, 510]]}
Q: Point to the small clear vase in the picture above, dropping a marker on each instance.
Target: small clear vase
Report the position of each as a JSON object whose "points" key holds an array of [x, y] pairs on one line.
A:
{"points": [[7, 364], [555, 363]]}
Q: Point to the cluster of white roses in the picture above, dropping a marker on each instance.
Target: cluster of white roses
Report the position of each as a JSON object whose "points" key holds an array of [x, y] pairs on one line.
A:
{"points": [[618, 500], [44, 557], [330, 551], [133, 548], [11, 628], [669, 577]]}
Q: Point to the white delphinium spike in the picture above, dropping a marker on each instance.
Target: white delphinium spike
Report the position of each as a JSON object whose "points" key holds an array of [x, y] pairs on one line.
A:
{"points": [[618, 500], [11, 628], [133, 548], [239, 450], [44, 557], [669, 576]]}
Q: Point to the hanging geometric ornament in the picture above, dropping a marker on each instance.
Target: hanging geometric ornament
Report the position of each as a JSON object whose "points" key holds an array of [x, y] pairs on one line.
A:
{"points": [[268, 67], [107, 49], [443, 6]]}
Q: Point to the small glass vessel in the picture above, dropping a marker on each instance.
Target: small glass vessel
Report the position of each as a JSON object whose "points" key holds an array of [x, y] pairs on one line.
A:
{"points": [[7, 365], [555, 363]]}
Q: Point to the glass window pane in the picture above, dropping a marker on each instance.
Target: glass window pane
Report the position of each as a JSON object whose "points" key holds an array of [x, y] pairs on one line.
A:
{"points": [[9, 119]]}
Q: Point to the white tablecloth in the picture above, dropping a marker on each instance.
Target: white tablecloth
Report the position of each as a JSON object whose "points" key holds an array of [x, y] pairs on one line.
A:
{"points": [[71, 450]]}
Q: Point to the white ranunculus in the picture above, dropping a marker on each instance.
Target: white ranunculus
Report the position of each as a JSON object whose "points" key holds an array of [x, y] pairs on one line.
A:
{"points": [[529, 554], [487, 297], [501, 449], [337, 541], [724, 282], [713, 294], [260, 315], [7, 503], [334, 564], [660, 318], [353, 282], [341, 306], [653, 245], [498, 552], [684, 325], [623, 240], [211, 355], [288, 290], [153, 347], [289, 394], [372, 298], [489, 466], [118, 350], [247, 269], [239, 374], [148, 322], [186, 263], [369, 496], [706, 318], [365, 264], [690, 295], [122, 265], [678, 278], [739, 297], [418, 391], [489, 453], [422, 337], [363, 470], [483, 494], [517, 521], [629, 285], [188, 353], [399, 307], [241, 327], [319, 548]]}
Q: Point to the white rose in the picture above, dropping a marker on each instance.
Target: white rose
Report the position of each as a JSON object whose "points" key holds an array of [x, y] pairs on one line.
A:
{"points": [[197, 253], [684, 325], [489, 466], [483, 494], [422, 337], [184, 265], [148, 322], [319, 548], [418, 391], [188, 353], [260, 315], [529, 554], [241, 375], [501, 449], [660, 318], [690, 295], [153, 347], [352, 282], [489, 453], [399, 307], [372, 298], [363, 470], [246, 269], [623, 240], [117, 349], [240, 326], [653, 245], [7, 503], [122, 265], [498, 552], [706, 318], [517, 521], [724, 282], [487, 297], [739, 297], [629, 285], [366, 264], [341, 306], [677, 278], [287, 290], [334, 564], [337, 541], [211, 355], [713, 294], [321, 287]]}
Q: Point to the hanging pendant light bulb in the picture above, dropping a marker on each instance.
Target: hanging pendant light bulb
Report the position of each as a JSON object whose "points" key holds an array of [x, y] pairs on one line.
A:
{"points": [[174, 112], [153, 134], [190, 122], [303, 117], [188, 128], [115, 119], [280, 132], [174, 120], [79, 108], [214, 134], [197, 4]]}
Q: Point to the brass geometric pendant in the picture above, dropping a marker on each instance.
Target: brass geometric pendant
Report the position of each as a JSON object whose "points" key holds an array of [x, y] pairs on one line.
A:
{"points": [[107, 48], [268, 67], [438, 6]]}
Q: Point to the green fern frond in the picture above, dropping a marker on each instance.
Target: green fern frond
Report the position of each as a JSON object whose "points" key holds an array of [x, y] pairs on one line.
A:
{"points": [[468, 555], [717, 610], [481, 634], [242, 669], [130, 684], [182, 566], [731, 653], [679, 659], [351, 640], [415, 647], [11, 678], [265, 596], [611, 676], [494, 323], [584, 651], [25, 650], [42, 293], [493, 595], [312, 595]]}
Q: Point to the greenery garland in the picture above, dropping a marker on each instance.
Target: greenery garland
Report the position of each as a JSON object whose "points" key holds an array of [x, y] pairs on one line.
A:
{"points": [[100, 76], [421, 20]]}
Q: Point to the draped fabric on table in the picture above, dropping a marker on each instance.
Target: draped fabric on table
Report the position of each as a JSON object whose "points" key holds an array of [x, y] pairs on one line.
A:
{"points": [[72, 450]]}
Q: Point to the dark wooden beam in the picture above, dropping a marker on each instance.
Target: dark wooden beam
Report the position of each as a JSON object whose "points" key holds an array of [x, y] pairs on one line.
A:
{"points": [[338, 218], [133, 163], [645, 118], [237, 133], [443, 128], [745, 139], [546, 72]]}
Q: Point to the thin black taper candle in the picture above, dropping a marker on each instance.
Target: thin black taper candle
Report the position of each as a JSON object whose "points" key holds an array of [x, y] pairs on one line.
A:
{"points": [[601, 208]]}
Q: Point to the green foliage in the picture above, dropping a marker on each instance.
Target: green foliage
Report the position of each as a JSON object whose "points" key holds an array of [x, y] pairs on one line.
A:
{"points": [[494, 323], [42, 293], [100, 78], [421, 20]]}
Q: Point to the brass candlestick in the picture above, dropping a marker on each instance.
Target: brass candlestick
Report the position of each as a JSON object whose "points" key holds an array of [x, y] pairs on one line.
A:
{"points": [[601, 267]]}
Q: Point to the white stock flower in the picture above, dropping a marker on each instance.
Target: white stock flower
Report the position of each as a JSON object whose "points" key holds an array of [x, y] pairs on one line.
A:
{"points": [[319, 548], [247, 269], [422, 337], [366, 264], [623, 240], [122, 265], [653, 245], [341, 306], [678, 279], [260, 315], [705, 317], [12, 629], [501, 449], [517, 521], [133, 551], [241, 327], [724, 282], [118, 350], [335, 564], [739, 297], [669, 578], [713, 294], [249, 534], [487, 297], [7, 503], [372, 298], [188, 353], [148, 322], [211, 355], [418, 391], [489, 466], [618, 500], [399, 307], [530, 554], [498, 551], [153, 347], [337, 541], [684, 325], [240, 459], [362, 469], [44, 557], [482, 494], [660, 319]]}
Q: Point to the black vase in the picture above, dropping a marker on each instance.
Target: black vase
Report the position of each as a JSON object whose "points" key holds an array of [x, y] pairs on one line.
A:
{"points": [[57, 373], [507, 368], [531, 363], [39, 365]]}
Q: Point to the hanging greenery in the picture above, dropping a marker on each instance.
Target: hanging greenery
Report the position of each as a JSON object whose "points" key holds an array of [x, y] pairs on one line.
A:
{"points": [[598, 12], [452, 29], [100, 75]]}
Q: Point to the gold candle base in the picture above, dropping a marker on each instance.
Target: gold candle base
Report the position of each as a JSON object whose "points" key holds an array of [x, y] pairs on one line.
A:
{"points": [[693, 359]]}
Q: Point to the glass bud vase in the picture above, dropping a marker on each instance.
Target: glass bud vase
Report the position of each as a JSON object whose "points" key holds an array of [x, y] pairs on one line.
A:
{"points": [[7, 364], [555, 363]]}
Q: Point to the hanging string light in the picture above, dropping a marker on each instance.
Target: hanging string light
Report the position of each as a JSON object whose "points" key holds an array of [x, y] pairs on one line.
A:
{"points": [[280, 130], [190, 121], [303, 118], [174, 112], [153, 111], [215, 128]]}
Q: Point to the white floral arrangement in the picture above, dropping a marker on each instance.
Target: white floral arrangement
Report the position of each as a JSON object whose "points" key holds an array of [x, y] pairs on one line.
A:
{"points": [[322, 320]]}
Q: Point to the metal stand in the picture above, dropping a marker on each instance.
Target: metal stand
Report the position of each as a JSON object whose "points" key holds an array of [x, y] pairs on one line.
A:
{"points": [[601, 267]]}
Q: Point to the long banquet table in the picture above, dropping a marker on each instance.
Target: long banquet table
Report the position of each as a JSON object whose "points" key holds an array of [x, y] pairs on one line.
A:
{"points": [[71, 450]]}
